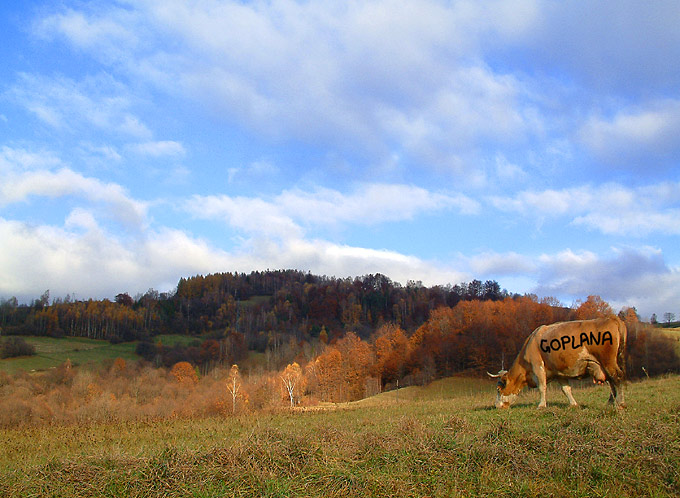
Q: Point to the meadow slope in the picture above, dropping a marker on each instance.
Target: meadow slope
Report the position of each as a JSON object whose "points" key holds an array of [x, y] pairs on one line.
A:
{"points": [[439, 441]]}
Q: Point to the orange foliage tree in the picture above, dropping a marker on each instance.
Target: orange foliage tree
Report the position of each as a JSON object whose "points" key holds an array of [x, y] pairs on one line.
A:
{"points": [[327, 371], [593, 307], [477, 334], [184, 373], [341, 371], [391, 350], [629, 315], [357, 359]]}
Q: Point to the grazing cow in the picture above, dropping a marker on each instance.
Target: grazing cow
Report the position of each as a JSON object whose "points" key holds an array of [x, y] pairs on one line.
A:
{"points": [[568, 350]]}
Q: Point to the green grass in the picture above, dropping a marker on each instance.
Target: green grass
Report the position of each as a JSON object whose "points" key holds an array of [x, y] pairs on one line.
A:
{"points": [[255, 300], [175, 339], [51, 352], [672, 332], [439, 441]]}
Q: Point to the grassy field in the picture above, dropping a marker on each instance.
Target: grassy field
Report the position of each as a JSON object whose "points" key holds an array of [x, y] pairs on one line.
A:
{"points": [[673, 333], [440, 441], [51, 352]]}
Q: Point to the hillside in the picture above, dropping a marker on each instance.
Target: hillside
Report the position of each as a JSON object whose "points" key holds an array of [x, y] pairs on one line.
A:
{"points": [[429, 442], [258, 305]]}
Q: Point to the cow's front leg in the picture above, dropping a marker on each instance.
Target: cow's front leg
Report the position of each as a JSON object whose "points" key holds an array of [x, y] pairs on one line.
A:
{"points": [[566, 389], [542, 383]]}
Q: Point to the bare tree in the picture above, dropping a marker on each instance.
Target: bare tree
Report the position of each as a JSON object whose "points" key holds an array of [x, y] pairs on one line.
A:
{"points": [[234, 386]]}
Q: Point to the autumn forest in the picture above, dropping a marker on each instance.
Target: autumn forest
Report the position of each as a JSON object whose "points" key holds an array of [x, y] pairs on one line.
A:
{"points": [[317, 339]]}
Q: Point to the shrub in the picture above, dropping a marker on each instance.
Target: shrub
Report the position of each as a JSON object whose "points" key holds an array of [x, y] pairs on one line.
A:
{"points": [[119, 365], [12, 347]]}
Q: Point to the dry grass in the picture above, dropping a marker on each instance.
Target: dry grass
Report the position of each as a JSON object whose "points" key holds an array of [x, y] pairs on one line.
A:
{"points": [[428, 442]]}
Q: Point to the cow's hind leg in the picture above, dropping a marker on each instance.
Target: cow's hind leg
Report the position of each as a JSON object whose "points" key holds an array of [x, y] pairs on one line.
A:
{"points": [[616, 396], [566, 389], [615, 379]]}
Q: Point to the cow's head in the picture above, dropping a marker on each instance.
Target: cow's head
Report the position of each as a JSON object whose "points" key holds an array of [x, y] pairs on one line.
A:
{"points": [[504, 395]]}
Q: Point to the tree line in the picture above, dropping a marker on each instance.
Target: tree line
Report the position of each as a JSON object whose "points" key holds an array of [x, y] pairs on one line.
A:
{"points": [[349, 337], [265, 307]]}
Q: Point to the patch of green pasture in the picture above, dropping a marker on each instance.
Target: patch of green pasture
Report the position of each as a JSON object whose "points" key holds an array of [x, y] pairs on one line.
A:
{"points": [[51, 352], [50, 345], [255, 300], [175, 339]]}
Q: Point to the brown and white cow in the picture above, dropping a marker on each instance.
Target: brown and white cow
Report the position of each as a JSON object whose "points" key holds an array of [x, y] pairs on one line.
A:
{"points": [[568, 350]]}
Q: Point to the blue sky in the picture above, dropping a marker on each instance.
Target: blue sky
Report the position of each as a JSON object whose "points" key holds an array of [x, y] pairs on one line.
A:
{"points": [[533, 143]]}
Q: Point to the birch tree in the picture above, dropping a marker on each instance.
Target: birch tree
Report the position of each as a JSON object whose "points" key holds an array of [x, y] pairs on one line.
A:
{"points": [[234, 386], [292, 378]]}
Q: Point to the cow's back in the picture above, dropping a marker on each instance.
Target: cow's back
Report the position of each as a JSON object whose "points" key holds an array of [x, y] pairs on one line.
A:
{"points": [[565, 348]]}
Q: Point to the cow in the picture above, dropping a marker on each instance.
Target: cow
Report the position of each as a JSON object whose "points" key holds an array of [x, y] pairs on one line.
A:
{"points": [[567, 350]]}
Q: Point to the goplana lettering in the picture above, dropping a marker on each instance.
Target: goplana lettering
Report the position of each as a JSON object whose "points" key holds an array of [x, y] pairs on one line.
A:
{"points": [[584, 339]]}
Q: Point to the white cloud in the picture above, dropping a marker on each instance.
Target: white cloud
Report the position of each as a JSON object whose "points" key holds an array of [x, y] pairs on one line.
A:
{"points": [[500, 264], [109, 35], [286, 214], [12, 159], [649, 133], [101, 153], [609, 208], [160, 148], [62, 103], [507, 171], [81, 218], [623, 276], [65, 182], [84, 32], [371, 76], [95, 263], [250, 215], [84, 258], [626, 277], [370, 204], [255, 172], [326, 258], [632, 222]]}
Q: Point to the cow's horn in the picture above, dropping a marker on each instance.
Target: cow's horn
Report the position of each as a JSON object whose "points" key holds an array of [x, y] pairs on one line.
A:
{"points": [[500, 372]]}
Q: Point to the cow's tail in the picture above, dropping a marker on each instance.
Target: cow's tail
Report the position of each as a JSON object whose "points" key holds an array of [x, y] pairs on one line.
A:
{"points": [[621, 355]]}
